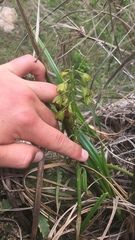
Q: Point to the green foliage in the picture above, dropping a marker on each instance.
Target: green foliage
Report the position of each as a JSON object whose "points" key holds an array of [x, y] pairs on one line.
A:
{"points": [[80, 63], [87, 58], [98, 163], [84, 180], [90, 215], [51, 4], [68, 93], [43, 226], [5, 204]]}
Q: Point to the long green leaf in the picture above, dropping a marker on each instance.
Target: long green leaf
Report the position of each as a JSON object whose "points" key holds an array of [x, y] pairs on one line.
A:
{"points": [[89, 216], [43, 226], [79, 200], [98, 161], [50, 60]]}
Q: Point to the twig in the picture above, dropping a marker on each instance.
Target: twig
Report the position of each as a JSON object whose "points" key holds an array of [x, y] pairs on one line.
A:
{"points": [[32, 36], [38, 194]]}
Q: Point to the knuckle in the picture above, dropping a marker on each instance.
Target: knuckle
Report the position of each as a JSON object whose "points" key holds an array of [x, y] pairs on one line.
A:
{"points": [[60, 141], [26, 118], [32, 59], [28, 96], [28, 57]]}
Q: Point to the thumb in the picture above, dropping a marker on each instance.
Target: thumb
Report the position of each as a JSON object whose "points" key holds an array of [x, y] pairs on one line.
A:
{"points": [[19, 155]]}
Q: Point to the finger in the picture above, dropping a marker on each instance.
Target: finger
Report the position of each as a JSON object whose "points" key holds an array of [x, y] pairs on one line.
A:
{"points": [[19, 155], [46, 114], [43, 90], [46, 92], [48, 137], [27, 64]]}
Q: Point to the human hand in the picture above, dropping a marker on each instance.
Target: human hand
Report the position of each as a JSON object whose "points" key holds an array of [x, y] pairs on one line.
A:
{"points": [[24, 116]]}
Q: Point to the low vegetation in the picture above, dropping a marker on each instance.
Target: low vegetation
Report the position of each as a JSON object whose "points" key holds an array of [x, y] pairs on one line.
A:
{"points": [[88, 48]]}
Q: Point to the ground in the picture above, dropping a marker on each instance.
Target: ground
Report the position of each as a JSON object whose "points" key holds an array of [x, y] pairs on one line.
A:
{"points": [[10, 41]]}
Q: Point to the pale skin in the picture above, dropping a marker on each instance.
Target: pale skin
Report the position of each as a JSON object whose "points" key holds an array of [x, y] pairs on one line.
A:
{"points": [[24, 116]]}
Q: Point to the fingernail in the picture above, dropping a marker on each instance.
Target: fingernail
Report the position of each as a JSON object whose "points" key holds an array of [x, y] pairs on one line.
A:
{"points": [[85, 154], [38, 156]]}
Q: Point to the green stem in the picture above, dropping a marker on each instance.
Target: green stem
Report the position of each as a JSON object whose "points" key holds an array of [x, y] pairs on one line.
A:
{"points": [[79, 201], [116, 167], [78, 172]]}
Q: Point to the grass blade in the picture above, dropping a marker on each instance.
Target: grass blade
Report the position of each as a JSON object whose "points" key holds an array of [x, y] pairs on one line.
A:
{"points": [[87, 219], [50, 60]]}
